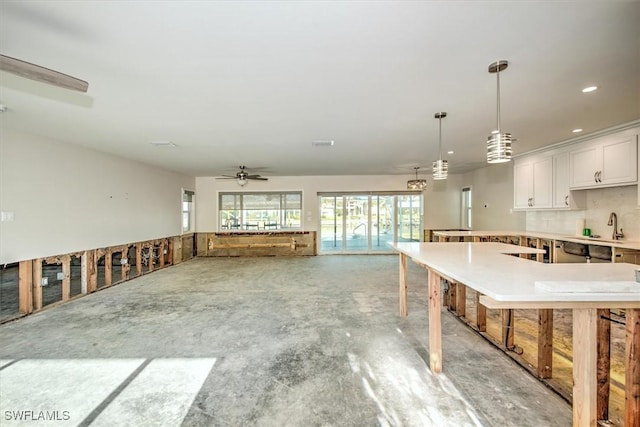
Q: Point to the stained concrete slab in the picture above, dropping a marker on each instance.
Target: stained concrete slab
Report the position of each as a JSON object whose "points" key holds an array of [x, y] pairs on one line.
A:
{"points": [[39, 392], [313, 341]]}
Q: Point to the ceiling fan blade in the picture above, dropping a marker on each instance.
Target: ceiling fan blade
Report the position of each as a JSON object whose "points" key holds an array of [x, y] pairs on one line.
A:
{"points": [[41, 74], [227, 177], [254, 176], [259, 178]]}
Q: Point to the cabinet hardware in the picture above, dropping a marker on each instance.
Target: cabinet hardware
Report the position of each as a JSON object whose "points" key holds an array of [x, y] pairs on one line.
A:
{"points": [[566, 200], [595, 176], [599, 176]]}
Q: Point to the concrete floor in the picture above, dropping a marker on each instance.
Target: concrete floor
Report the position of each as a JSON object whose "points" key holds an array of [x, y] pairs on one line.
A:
{"points": [[312, 341]]}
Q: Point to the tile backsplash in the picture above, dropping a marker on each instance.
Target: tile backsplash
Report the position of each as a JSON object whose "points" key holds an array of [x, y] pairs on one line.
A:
{"points": [[599, 204]]}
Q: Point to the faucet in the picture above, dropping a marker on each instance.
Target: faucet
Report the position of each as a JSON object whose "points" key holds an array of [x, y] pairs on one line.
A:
{"points": [[613, 220]]}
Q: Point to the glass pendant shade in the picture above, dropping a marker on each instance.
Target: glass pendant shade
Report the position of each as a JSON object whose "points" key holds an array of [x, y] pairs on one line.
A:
{"points": [[499, 148], [417, 184], [440, 169], [242, 182], [499, 143]]}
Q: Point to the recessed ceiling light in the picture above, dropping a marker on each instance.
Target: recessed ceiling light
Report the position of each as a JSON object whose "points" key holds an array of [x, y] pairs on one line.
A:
{"points": [[577, 130], [163, 144], [323, 143], [450, 152], [589, 89]]}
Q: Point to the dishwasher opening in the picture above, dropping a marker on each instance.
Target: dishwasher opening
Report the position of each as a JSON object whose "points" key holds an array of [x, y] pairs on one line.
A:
{"points": [[570, 252]]}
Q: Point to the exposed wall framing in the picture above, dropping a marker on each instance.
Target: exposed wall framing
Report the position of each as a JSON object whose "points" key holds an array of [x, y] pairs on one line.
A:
{"points": [[298, 243], [44, 282]]}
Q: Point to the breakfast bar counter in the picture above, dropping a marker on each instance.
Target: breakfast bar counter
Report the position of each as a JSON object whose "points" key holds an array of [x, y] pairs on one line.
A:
{"points": [[507, 282]]}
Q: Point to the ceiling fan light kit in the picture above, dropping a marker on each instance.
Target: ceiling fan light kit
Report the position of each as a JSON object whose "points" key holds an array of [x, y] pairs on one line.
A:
{"points": [[440, 167], [499, 143], [242, 177]]}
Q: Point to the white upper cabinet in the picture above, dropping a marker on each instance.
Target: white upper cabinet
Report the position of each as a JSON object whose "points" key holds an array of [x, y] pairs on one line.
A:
{"points": [[605, 162], [561, 193], [532, 183], [563, 197]]}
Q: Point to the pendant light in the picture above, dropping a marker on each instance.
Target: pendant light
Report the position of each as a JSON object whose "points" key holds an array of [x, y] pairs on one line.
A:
{"points": [[417, 184], [440, 167], [498, 143]]}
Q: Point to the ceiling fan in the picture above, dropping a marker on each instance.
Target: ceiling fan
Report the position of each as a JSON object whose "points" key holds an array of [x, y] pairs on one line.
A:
{"points": [[41, 74], [243, 177]]}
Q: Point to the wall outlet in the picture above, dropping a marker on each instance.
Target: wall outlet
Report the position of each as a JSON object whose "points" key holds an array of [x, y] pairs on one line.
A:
{"points": [[124, 261], [60, 276], [44, 281]]}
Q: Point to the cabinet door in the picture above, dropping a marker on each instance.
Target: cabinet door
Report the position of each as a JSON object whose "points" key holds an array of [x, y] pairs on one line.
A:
{"points": [[522, 184], [619, 161], [561, 181], [584, 164], [542, 183]]}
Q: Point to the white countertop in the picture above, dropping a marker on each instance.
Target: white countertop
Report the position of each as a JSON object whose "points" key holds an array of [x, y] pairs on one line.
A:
{"points": [[624, 244], [485, 268]]}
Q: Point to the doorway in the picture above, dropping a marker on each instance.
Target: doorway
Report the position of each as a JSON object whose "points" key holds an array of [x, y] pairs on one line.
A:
{"points": [[367, 223]]}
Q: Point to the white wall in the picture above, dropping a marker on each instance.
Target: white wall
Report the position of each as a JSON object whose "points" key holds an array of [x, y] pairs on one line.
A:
{"points": [[492, 198], [442, 203], [439, 212], [67, 198]]}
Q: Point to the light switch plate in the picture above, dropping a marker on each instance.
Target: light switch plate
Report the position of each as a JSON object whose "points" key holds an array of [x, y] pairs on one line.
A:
{"points": [[6, 216]]}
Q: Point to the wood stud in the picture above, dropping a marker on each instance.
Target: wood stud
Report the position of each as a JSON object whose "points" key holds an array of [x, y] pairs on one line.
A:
{"points": [[435, 323], [25, 293], [403, 284], [603, 363], [108, 265], [632, 368], [30, 272]]}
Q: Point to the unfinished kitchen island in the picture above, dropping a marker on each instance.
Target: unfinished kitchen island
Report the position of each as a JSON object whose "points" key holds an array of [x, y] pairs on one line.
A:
{"points": [[508, 282]]}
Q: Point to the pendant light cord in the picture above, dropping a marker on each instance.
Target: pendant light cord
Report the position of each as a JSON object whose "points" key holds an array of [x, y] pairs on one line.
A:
{"points": [[498, 109], [440, 135]]}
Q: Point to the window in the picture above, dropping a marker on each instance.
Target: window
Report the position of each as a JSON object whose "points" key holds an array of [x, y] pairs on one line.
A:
{"points": [[260, 211], [187, 210], [466, 208]]}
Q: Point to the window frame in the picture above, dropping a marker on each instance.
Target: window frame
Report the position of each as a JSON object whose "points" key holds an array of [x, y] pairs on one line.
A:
{"points": [[188, 202], [270, 219], [466, 208]]}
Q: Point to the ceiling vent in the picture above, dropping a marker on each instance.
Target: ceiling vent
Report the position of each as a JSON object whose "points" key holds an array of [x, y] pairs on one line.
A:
{"points": [[323, 143], [163, 144]]}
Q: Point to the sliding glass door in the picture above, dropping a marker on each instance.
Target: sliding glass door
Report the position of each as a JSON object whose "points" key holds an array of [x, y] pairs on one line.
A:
{"points": [[357, 223], [367, 223], [409, 214], [331, 223]]}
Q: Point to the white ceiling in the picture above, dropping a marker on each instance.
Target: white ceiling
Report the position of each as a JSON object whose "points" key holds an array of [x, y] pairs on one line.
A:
{"points": [[254, 83]]}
